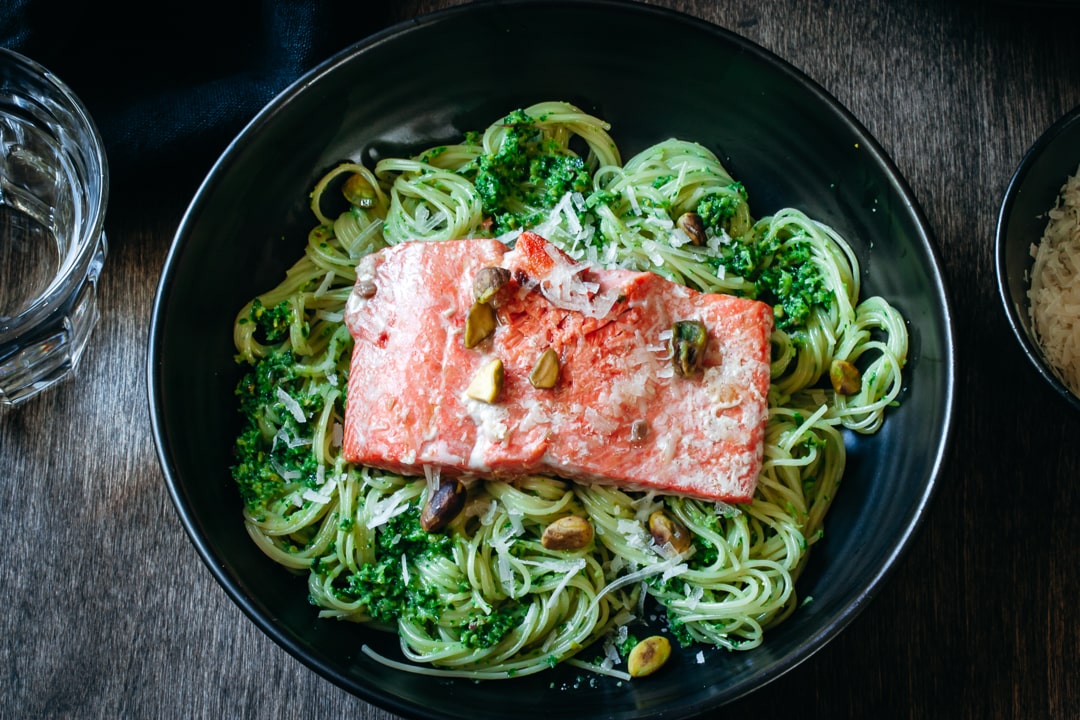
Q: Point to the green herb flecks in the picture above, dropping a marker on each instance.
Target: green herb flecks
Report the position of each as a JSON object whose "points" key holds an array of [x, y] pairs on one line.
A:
{"points": [[781, 267], [272, 323], [526, 175], [381, 585], [484, 630], [270, 464]]}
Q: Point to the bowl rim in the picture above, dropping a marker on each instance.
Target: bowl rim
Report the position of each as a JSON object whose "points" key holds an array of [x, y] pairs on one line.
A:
{"points": [[814, 642], [1070, 121]]}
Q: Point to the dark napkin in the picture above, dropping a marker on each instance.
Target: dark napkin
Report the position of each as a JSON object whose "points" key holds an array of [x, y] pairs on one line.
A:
{"points": [[169, 85]]}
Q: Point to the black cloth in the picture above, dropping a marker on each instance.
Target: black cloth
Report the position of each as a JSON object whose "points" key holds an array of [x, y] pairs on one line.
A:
{"points": [[166, 82]]}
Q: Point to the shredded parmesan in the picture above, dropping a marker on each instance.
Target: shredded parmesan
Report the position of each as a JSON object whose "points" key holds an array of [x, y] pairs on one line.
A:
{"points": [[1055, 286], [291, 405], [647, 571], [316, 497], [381, 511], [565, 288]]}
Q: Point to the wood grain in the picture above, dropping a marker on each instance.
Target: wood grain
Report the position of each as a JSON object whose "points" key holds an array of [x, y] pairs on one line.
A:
{"points": [[108, 612]]}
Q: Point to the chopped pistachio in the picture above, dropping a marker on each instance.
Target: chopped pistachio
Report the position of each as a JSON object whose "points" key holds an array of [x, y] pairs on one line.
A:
{"points": [[487, 383], [479, 323], [687, 346], [694, 227], [571, 532], [488, 282], [648, 656], [667, 531], [443, 505], [545, 373], [845, 377]]}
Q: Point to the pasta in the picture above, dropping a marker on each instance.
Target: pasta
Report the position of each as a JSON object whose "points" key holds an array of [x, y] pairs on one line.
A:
{"points": [[485, 599]]}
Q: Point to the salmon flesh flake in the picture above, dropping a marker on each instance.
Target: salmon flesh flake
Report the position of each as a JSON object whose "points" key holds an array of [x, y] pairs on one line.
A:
{"points": [[617, 413]]}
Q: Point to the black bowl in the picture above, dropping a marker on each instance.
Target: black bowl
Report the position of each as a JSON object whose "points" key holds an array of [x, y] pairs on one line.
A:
{"points": [[789, 141], [1032, 191]]}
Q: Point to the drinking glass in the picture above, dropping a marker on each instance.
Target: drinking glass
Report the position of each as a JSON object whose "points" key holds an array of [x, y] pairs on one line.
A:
{"points": [[53, 195]]}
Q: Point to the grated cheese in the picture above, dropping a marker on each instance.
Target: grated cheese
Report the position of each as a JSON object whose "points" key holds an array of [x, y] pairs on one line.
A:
{"points": [[1055, 286], [291, 405], [565, 288], [380, 511]]}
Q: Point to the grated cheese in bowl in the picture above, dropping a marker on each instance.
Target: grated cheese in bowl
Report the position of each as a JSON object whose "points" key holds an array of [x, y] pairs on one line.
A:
{"points": [[1054, 293]]}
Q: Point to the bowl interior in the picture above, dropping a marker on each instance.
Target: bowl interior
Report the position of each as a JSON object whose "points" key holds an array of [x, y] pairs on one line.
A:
{"points": [[1032, 191], [788, 141]]}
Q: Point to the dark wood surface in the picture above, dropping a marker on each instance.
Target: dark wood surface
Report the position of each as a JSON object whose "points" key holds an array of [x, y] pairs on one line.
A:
{"points": [[107, 611]]}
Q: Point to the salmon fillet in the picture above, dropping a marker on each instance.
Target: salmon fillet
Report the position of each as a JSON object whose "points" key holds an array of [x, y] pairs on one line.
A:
{"points": [[618, 412]]}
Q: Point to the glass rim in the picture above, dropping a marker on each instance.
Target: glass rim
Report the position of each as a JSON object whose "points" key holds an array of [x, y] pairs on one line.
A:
{"points": [[81, 139]]}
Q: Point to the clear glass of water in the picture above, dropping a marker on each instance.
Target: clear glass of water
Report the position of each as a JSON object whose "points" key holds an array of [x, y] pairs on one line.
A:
{"points": [[54, 187]]}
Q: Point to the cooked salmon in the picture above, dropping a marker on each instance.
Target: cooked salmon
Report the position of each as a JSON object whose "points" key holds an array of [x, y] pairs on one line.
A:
{"points": [[616, 411]]}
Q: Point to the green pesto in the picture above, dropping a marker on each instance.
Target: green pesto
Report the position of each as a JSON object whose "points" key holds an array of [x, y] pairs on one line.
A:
{"points": [[482, 630], [780, 267], [717, 210], [705, 552], [678, 630], [627, 645], [433, 153], [525, 176], [662, 181], [322, 234], [380, 586], [600, 197], [272, 323], [258, 461]]}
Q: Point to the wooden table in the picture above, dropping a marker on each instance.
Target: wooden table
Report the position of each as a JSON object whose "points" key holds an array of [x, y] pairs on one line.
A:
{"points": [[109, 612]]}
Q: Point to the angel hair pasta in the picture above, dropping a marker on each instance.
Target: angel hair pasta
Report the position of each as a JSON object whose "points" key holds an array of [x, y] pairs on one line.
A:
{"points": [[485, 598]]}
